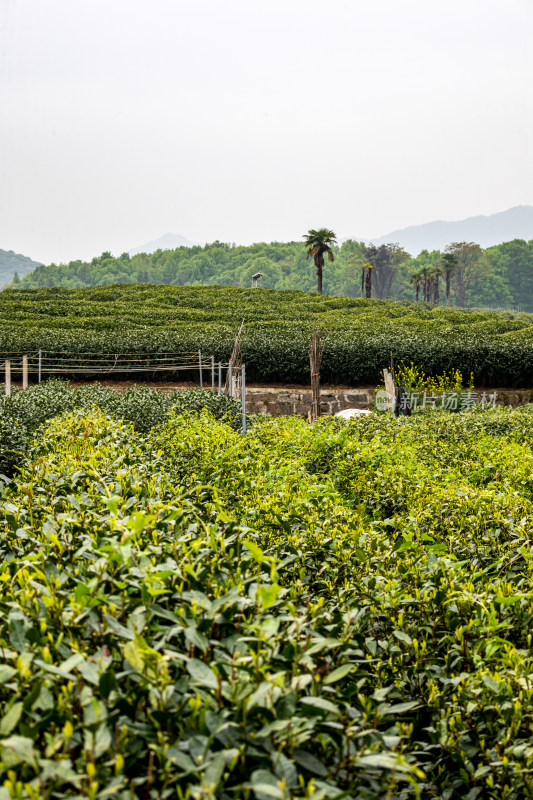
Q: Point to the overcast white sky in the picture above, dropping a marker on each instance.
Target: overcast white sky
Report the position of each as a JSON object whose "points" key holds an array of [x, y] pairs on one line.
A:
{"points": [[254, 120]]}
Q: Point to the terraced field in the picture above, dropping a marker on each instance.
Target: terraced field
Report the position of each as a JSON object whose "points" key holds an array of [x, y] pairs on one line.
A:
{"points": [[360, 334]]}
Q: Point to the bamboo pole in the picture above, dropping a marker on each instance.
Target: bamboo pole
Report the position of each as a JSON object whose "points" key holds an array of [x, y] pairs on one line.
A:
{"points": [[243, 397], [315, 359], [8, 378], [24, 372]]}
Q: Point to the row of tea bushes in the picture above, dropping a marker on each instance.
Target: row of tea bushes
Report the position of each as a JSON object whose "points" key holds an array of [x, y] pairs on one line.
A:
{"points": [[336, 610], [143, 407], [360, 335]]}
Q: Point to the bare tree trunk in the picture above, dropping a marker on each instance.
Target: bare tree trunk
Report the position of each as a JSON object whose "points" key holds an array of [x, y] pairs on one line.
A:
{"points": [[437, 293], [319, 264], [368, 283], [461, 288]]}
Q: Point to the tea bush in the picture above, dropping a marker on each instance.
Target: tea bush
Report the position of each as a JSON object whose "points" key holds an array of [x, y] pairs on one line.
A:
{"points": [[142, 406], [219, 406], [145, 321], [336, 610], [13, 440]]}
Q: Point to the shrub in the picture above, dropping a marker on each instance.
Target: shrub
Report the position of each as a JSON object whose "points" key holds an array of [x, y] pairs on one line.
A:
{"points": [[218, 406], [359, 334], [13, 441], [342, 609], [143, 407]]}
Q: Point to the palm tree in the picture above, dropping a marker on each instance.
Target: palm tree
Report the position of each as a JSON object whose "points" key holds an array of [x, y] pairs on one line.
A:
{"points": [[449, 264], [317, 243], [428, 279], [418, 278]]}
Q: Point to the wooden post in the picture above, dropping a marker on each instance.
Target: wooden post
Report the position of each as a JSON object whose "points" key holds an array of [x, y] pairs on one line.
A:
{"points": [[40, 362], [390, 388], [212, 374], [24, 372], [220, 378], [230, 379], [200, 367], [315, 359], [8, 378], [243, 397]]}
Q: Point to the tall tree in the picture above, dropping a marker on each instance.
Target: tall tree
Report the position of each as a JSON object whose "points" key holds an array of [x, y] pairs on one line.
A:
{"points": [[379, 267], [428, 278], [467, 267], [317, 243], [449, 263]]}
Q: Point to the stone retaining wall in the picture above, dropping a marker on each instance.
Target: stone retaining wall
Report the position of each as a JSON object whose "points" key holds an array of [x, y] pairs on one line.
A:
{"points": [[285, 402], [297, 400]]}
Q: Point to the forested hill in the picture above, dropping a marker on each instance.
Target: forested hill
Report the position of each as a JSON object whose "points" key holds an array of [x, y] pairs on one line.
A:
{"points": [[14, 266], [501, 276]]}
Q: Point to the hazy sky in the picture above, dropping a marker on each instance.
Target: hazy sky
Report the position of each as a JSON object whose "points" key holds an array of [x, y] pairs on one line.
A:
{"points": [[254, 120]]}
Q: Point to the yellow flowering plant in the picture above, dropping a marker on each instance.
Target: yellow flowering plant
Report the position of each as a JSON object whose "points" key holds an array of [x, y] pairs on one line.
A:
{"points": [[434, 389]]}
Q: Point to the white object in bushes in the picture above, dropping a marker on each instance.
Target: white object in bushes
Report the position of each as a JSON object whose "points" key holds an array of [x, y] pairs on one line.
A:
{"points": [[349, 413]]}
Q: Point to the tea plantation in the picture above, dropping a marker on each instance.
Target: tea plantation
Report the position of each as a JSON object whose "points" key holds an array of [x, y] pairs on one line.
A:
{"points": [[341, 610], [360, 334]]}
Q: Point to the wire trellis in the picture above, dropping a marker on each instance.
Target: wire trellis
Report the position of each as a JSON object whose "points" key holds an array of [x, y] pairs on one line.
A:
{"points": [[42, 363]]}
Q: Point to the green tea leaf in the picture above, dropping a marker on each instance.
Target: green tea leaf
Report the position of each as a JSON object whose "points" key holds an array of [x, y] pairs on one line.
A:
{"points": [[10, 720], [339, 673], [202, 673]]}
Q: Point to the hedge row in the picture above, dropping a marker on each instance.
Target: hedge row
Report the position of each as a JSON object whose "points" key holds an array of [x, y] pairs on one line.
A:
{"points": [[360, 335]]}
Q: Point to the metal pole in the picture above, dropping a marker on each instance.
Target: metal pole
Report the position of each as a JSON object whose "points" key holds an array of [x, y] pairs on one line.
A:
{"points": [[220, 378], [243, 397], [212, 374], [24, 372], [230, 379], [8, 378], [200, 366], [40, 361]]}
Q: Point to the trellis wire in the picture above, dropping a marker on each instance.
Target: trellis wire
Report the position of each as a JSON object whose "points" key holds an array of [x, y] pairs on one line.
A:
{"points": [[68, 364]]}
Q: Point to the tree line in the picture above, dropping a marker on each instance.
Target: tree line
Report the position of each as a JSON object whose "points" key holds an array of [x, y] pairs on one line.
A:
{"points": [[463, 274]]}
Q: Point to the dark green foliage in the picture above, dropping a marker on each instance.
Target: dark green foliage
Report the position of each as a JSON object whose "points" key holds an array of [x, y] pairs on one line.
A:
{"points": [[13, 440], [341, 609], [359, 334], [39, 403], [218, 406], [141, 406], [504, 278]]}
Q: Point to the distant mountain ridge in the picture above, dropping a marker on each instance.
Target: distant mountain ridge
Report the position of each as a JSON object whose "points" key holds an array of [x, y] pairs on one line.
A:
{"points": [[485, 230], [515, 223], [169, 241], [11, 262], [489, 230]]}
